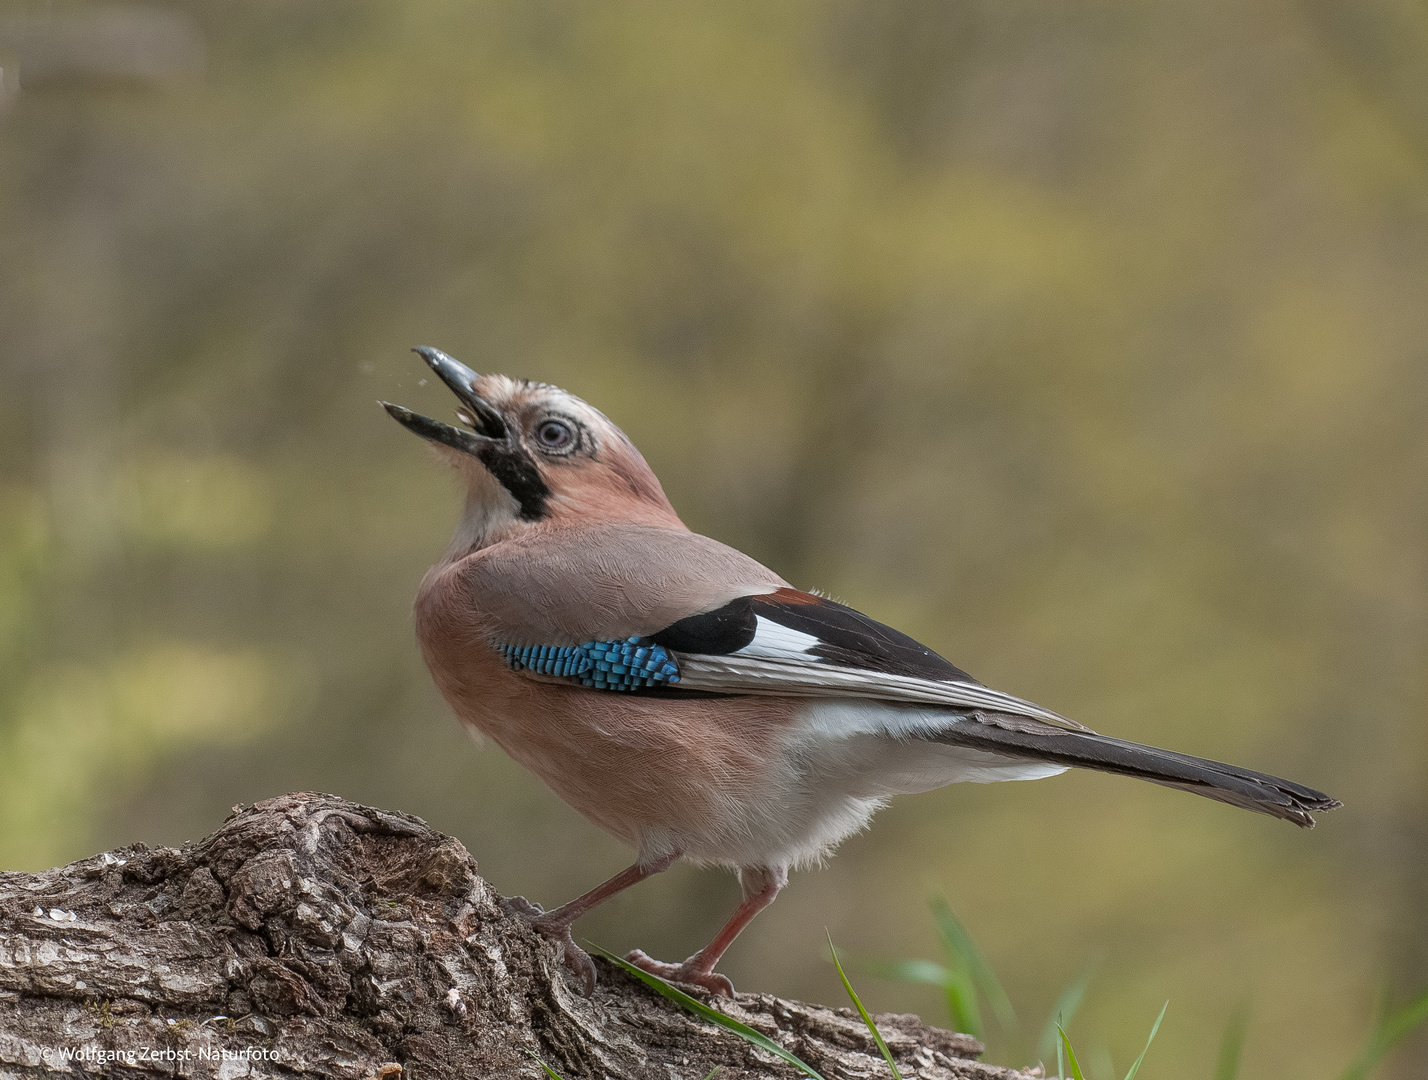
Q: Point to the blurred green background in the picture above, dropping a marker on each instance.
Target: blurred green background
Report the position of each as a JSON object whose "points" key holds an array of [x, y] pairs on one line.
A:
{"points": [[1085, 341]]}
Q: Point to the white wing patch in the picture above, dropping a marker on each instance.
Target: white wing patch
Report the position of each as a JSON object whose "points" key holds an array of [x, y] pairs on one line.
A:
{"points": [[794, 673], [773, 641]]}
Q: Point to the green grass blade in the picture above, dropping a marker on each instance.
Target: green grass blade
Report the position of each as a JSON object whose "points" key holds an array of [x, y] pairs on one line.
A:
{"points": [[1065, 1008], [1156, 1027], [713, 1072], [962, 1003], [857, 1002], [1060, 1053], [1076, 1073], [714, 1016], [1386, 1036], [548, 1070], [957, 986], [1232, 1045], [918, 971], [960, 945]]}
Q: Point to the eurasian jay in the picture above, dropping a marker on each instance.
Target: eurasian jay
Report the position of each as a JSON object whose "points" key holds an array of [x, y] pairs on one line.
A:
{"points": [[687, 699]]}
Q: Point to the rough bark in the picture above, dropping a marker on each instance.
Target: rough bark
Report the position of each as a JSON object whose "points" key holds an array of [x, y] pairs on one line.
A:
{"points": [[313, 937]]}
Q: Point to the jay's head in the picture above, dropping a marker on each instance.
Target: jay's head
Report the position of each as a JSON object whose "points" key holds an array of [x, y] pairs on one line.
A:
{"points": [[534, 456]]}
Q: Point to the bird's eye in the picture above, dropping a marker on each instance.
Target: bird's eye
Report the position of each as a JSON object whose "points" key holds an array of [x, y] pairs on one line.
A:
{"points": [[555, 435]]}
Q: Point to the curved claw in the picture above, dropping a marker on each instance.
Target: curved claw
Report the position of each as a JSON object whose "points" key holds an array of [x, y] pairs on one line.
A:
{"points": [[522, 908], [578, 961], [571, 955], [689, 973]]}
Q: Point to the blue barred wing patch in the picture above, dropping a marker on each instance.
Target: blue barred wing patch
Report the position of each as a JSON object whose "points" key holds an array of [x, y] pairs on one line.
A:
{"points": [[631, 663]]}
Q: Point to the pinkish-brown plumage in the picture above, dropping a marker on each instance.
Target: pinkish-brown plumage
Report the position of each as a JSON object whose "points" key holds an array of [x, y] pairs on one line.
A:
{"points": [[669, 777], [624, 762], [786, 719]]}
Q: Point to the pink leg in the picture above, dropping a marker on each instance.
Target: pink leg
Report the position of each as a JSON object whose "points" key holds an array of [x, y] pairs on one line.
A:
{"points": [[760, 885], [556, 924]]}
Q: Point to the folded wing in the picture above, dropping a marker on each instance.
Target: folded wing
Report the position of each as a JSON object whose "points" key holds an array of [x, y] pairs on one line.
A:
{"points": [[797, 644], [751, 633]]}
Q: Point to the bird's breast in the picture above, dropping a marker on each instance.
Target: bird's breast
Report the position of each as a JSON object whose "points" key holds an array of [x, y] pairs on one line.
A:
{"points": [[652, 769]]}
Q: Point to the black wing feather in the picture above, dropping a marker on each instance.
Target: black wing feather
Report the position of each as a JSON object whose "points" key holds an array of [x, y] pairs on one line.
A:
{"points": [[714, 633], [851, 639], [846, 638]]}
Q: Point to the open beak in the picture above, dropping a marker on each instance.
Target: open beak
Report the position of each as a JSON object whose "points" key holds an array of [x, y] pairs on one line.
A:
{"points": [[486, 423]]}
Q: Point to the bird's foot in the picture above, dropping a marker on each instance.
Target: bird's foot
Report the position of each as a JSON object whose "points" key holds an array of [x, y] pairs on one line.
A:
{"points": [[690, 973], [521, 908], [571, 955]]}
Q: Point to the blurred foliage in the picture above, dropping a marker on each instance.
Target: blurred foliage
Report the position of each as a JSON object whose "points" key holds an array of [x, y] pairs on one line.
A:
{"points": [[1084, 341]]}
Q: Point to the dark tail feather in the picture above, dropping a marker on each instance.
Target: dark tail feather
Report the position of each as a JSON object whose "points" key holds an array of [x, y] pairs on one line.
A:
{"points": [[1085, 750]]}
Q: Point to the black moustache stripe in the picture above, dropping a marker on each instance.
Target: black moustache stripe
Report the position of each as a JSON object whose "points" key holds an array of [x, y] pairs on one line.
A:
{"points": [[517, 473]]}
